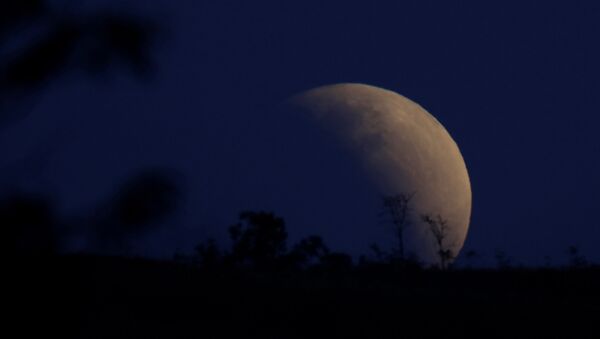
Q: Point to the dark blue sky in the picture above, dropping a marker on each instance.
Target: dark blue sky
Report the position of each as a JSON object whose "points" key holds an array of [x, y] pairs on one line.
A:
{"points": [[516, 84]]}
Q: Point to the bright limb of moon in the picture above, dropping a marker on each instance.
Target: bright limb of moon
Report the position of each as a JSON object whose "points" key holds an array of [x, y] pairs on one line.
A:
{"points": [[406, 150]]}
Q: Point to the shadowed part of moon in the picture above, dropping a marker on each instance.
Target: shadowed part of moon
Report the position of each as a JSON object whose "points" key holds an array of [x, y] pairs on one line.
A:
{"points": [[405, 150]]}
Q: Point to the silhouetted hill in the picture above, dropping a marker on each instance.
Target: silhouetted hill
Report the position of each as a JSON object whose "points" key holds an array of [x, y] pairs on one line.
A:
{"points": [[108, 297]]}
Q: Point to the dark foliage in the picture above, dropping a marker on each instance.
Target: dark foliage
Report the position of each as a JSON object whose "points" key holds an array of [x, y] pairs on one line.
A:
{"points": [[31, 226], [309, 251], [336, 262], [115, 38], [259, 239], [209, 254], [14, 13], [70, 42], [259, 244], [39, 42]]}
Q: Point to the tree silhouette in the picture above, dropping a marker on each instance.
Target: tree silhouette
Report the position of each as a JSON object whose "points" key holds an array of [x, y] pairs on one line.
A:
{"points": [[308, 251], [439, 228], [397, 206], [259, 239], [209, 254], [258, 242]]}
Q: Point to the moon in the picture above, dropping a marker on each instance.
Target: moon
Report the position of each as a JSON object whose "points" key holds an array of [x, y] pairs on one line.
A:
{"points": [[404, 150]]}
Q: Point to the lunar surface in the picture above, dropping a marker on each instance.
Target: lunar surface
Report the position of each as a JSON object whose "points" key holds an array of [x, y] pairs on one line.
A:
{"points": [[404, 150]]}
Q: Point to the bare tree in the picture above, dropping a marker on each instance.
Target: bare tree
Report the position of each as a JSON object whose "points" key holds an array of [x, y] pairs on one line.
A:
{"points": [[439, 228], [398, 208]]}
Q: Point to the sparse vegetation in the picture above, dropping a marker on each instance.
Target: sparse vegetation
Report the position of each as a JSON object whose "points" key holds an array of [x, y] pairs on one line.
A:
{"points": [[260, 288], [398, 208], [439, 228]]}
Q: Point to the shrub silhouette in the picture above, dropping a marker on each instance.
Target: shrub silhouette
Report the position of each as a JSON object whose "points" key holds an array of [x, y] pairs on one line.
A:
{"points": [[309, 251], [209, 254], [259, 239], [259, 242], [336, 262], [439, 228]]}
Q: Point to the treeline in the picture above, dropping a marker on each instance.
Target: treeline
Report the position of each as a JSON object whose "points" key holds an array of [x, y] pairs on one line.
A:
{"points": [[259, 243]]}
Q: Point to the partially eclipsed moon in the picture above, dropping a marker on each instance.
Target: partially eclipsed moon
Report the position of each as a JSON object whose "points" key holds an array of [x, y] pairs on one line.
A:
{"points": [[405, 149]]}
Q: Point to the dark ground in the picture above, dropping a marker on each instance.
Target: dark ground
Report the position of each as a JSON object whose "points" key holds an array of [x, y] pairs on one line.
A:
{"points": [[107, 297]]}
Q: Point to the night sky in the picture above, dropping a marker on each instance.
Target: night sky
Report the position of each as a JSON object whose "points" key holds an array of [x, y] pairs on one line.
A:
{"points": [[515, 83]]}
